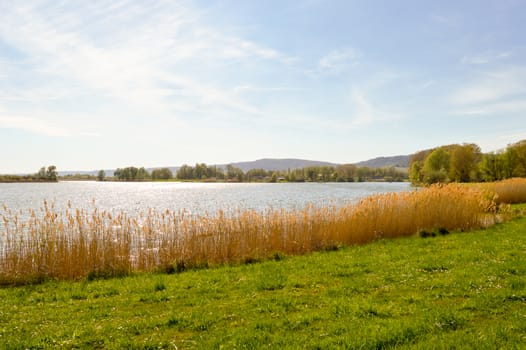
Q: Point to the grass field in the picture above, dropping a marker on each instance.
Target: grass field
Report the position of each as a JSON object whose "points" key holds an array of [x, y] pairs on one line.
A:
{"points": [[461, 290]]}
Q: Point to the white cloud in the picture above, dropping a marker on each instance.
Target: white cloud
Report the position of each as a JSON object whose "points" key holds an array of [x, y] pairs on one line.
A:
{"points": [[84, 50], [33, 125], [492, 87], [485, 58], [363, 110], [495, 108], [339, 58], [450, 20], [210, 95], [251, 88]]}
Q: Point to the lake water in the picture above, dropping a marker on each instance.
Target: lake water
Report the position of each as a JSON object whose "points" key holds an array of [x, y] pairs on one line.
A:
{"points": [[196, 198]]}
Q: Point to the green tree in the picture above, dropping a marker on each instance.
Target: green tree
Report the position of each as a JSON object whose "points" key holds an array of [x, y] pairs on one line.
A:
{"points": [[234, 174], [510, 161], [346, 173], [256, 175], [463, 162], [141, 175], [162, 174], [520, 151], [42, 173], [185, 172], [131, 174], [416, 166], [311, 174], [491, 167], [200, 171], [51, 173], [436, 166], [101, 175]]}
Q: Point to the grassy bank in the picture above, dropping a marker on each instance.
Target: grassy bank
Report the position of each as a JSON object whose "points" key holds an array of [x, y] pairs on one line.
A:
{"points": [[462, 290], [77, 244]]}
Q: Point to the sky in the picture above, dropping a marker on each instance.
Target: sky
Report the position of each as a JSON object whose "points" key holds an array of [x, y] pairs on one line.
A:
{"points": [[101, 84]]}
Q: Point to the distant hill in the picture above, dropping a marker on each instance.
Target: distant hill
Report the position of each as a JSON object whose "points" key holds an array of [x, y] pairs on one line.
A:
{"points": [[271, 164], [383, 162], [274, 164]]}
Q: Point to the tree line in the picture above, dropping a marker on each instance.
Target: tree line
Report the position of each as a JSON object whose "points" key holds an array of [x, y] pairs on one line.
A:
{"points": [[138, 174], [466, 163], [203, 172], [48, 174]]}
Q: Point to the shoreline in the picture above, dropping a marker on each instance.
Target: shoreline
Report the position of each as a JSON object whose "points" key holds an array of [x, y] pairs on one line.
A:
{"points": [[76, 243]]}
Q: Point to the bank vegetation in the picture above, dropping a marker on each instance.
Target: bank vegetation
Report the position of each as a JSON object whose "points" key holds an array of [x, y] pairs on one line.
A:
{"points": [[76, 244]]}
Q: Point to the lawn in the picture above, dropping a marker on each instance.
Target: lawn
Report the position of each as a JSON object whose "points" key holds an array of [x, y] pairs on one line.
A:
{"points": [[461, 290]]}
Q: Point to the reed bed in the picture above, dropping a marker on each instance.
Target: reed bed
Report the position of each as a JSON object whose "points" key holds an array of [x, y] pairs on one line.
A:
{"points": [[508, 191], [78, 244]]}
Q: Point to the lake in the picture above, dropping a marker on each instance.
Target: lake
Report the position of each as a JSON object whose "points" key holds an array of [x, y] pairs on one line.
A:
{"points": [[196, 198]]}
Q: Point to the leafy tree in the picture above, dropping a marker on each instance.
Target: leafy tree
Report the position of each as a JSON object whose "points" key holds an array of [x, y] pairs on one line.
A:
{"points": [[49, 174], [200, 171], [520, 152], [510, 161], [311, 174], [162, 174], [42, 173], [131, 174], [234, 173], [295, 175], [463, 162], [415, 172], [416, 166], [256, 175], [185, 172], [346, 173], [436, 166], [141, 174], [101, 175], [492, 167]]}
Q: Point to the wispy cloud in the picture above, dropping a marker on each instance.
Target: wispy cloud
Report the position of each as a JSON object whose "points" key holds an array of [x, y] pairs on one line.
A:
{"points": [[65, 45], [485, 58], [33, 125], [364, 112], [254, 88], [449, 20], [339, 58], [495, 108], [492, 87]]}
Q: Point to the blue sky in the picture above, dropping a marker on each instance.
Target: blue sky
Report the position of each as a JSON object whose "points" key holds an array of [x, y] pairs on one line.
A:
{"points": [[103, 84]]}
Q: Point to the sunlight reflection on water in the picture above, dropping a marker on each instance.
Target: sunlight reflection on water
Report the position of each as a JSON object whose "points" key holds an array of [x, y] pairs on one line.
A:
{"points": [[195, 198]]}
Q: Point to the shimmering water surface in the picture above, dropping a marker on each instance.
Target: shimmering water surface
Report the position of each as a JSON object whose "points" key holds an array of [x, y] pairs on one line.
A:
{"points": [[196, 198]]}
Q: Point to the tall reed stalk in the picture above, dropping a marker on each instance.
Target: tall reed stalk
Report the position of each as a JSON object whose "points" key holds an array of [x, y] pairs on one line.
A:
{"points": [[508, 191], [77, 244]]}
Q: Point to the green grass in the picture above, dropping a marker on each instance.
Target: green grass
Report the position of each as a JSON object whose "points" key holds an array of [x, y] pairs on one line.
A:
{"points": [[462, 290]]}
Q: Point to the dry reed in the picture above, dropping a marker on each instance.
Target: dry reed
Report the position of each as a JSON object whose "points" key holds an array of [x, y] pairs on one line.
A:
{"points": [[508, 191], [77, 244]]}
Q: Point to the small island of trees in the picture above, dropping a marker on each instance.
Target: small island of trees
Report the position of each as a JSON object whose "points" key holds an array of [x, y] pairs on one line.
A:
{"points": [[48, 174]]}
